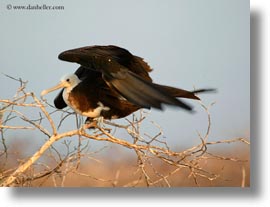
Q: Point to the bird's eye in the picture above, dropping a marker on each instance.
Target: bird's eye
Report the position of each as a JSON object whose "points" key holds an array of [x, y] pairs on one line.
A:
{"points": [[68, 80]]}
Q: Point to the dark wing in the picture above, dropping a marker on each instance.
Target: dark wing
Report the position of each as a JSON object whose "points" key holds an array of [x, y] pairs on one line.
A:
{"points": [[95, 57], [59, 101], [124, 73], [138, 90]]}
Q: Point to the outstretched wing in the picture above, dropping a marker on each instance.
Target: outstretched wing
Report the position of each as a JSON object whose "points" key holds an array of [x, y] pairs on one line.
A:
{"points": [[95, 57], [124, 73]]}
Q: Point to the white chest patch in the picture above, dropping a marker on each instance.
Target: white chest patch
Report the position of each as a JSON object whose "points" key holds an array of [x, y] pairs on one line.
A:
{"points": [[91, 113], [65, 97], [97, 111]]}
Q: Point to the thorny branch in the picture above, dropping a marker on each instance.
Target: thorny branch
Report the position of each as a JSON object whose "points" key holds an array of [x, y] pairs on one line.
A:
{"points": [[148, 149]]}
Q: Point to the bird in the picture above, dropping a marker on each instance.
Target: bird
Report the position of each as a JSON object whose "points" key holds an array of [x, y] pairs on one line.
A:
{"points": [[112, 83]]}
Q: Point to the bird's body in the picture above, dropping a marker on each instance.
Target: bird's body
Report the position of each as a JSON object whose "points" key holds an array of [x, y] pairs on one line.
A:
{"points": [[112, 83], [92, 97]]}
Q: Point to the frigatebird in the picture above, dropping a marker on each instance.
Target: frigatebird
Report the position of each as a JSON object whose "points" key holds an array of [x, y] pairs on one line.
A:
{"points": [[113, 83]]}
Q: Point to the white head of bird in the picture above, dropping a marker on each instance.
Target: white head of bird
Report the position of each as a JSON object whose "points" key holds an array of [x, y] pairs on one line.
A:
{"points": [[68, 82]]}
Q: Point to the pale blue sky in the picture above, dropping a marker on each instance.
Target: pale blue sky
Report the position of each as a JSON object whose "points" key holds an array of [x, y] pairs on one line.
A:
{"points": [[188, 43]]}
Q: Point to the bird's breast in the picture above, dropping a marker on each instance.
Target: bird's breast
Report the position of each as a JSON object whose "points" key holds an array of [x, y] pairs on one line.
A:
{"points": [[81, 104]]}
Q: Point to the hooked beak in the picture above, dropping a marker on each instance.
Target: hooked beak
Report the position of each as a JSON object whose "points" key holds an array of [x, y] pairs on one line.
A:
{"points": [[58, 86]]}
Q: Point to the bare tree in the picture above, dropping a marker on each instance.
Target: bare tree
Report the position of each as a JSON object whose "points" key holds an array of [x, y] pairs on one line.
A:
{"points": [[149, 150]]}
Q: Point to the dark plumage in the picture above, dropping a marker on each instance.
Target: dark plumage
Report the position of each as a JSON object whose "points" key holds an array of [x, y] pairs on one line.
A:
{"points": [[113, 83]]}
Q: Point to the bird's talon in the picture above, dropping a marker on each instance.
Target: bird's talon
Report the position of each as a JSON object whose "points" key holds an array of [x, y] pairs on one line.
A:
{"points": [[99, 121], [90, 124]]}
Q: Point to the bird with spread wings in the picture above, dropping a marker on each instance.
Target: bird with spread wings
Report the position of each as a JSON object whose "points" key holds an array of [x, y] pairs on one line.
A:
{"points": [[113, 83]]}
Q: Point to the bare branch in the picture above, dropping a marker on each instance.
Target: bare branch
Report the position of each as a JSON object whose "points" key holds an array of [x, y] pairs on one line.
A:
{"points": [[150, 151]]}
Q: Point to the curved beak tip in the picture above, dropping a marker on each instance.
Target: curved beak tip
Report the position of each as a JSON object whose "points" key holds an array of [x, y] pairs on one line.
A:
{"points": [[44, 92]]}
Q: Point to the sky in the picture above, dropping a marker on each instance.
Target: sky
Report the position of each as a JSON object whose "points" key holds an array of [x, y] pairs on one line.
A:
{"points": [[188, 43]]}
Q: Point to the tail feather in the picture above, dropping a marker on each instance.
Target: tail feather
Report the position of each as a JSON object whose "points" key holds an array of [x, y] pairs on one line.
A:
{"points": [[180, 93]]}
